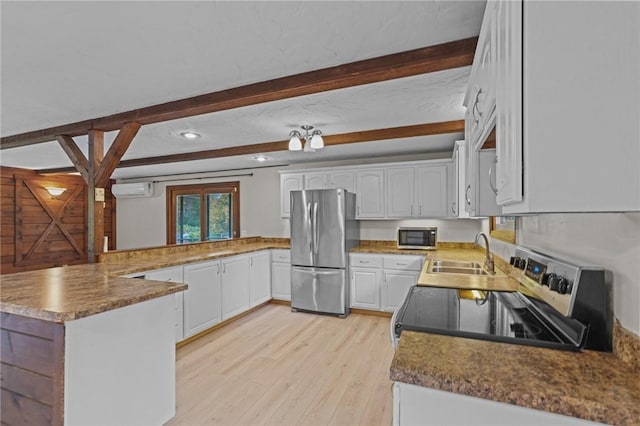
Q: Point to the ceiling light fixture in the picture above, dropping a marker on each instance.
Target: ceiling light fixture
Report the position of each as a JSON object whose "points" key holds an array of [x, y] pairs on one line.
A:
{"points": [[54, 191], [312, 141], [260, 158], [190, 135]]}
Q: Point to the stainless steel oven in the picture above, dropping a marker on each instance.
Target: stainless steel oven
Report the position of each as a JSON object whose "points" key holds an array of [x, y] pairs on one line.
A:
{"points": [[560, 305], [417, 238]]}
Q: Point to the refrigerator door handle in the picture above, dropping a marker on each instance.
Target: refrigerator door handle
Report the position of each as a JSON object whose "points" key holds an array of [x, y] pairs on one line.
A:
{"points": [[316, 228], [310, 222]]}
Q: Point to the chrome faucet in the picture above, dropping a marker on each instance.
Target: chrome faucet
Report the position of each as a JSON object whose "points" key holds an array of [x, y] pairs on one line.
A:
{"points": [[488, 261]]}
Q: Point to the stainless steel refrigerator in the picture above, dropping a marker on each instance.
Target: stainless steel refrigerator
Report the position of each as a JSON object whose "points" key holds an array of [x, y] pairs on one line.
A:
{"points": [[323, 229]]}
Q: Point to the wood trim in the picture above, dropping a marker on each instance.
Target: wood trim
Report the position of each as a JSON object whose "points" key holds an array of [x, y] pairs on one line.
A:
{"points": [[280, 302], [372, 313], [116, 151], [74, 153], [428, 129], [202, 189], [439, 57]]}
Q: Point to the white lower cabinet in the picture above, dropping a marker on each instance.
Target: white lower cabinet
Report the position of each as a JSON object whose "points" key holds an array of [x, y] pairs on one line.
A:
{"points": [[235, 285], [381, 282], [365, 288], [400, 273], [417, 405], [260, 277], [202, 298], [281, 274], [173, 274]]}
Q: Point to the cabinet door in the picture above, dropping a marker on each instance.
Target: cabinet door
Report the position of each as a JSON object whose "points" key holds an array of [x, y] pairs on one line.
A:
{"points": [[202, 298], [288, 183], [174, 274], [400, 184], [370, 194], [343, 179], [365, 288], [281, 280], [316, 180], [509, 102], [260, 279], [485, 196], [395, 287], [235, 286], [432, 191]]}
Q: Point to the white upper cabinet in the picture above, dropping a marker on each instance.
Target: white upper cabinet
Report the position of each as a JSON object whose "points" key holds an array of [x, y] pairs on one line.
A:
{"points": [[480, 191], [289, 182], [459, 182], [401, 193], [370, 194], [509, 102], [432, 190], [420, 191], [317, 180], [413, 189], [480, 99], [343, 179], [567, 105]]}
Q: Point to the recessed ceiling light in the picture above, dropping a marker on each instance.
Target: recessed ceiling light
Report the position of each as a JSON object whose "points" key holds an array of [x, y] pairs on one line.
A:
{"points": [[190, 135], [260, 158]]}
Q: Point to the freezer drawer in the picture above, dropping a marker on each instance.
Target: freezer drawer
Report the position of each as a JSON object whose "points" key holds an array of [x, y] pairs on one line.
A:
{"points": [[319, 290]]}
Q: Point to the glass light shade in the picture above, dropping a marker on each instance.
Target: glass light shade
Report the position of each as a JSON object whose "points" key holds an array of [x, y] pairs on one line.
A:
{"points": [[55, 191], [294, 143], [316, 140]]}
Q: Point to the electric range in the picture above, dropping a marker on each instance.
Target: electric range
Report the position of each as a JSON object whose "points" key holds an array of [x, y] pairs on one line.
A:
{"points": [[560, 304]]}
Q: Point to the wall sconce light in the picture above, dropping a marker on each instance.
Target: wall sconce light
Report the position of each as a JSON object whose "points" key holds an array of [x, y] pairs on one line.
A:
{"points": [[54, 191], [312, 141]]}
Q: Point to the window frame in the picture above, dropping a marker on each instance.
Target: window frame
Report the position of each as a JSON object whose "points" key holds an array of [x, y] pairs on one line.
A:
{"points": [[202, 189]]}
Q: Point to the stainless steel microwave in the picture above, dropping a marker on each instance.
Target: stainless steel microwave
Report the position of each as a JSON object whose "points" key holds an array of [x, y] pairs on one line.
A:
{"points": [[417, 238]]}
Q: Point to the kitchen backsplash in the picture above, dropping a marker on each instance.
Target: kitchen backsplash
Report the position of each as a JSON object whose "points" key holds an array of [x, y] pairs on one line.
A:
{"points": [[609, 240]]}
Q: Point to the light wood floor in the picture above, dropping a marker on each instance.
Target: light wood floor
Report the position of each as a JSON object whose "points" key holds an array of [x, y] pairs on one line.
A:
{"points": [[281, 368]]}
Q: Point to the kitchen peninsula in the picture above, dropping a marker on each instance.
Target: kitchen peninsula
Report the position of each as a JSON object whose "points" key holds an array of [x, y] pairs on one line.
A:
{"points": [[79, 344]]}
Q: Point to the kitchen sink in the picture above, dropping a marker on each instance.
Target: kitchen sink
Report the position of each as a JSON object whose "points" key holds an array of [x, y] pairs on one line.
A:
{"points": [[455, 264], [464, 271]]}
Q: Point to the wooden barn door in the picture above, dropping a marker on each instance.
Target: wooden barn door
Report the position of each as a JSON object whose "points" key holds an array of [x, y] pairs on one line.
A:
{"points": [[49, 229]]}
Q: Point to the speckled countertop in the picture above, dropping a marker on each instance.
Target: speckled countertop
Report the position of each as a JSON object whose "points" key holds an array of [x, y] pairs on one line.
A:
{"points": [[591, 385], [72, 292]]}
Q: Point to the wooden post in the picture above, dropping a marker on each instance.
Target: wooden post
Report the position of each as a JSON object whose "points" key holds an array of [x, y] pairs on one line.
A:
{"points": [[95, 210]]}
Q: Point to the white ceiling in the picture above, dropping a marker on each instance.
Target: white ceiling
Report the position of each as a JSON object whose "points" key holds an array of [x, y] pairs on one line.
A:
{"points": [[64, 62]]}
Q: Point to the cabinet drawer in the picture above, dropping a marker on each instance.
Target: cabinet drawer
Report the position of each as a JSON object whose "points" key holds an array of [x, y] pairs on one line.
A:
{"points": [[366, 261], [283, 256], [403, 262]]}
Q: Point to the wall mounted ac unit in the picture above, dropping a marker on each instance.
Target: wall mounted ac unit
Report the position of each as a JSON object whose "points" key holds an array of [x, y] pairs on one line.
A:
{"points": [[131, 190]]}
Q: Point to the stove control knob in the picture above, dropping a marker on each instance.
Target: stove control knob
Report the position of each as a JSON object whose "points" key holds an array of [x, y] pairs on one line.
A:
{"points": [[554, 282], [521, 263], [564, 286], [546, 277]]}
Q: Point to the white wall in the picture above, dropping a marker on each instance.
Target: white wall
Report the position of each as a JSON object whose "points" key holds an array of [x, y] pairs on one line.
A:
{"points": [[609, 240]]}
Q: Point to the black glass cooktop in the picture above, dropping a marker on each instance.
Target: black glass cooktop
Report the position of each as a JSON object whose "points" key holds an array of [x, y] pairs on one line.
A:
{"points": [[508, 317]]}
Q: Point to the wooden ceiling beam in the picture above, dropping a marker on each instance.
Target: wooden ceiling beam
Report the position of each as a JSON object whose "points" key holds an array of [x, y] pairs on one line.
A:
{"points": [[74, 153], [114, 154], [440, 57], [340, 139]]}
